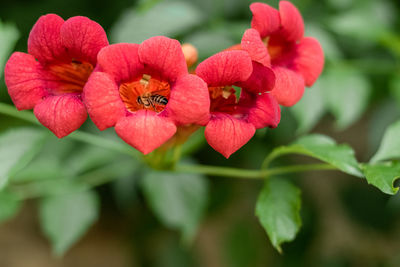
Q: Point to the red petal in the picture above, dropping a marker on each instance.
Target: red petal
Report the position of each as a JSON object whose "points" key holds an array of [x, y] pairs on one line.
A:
{"points": [[309, 60], [22, 77], [265, 19], [291, 21], [61, 114], [227, 134], [145, 131], [225, 68], [102, 100], [262, 79], [44, 41], [289, 86], [252, 43], [265, 113], [164, 55], [83, 38], [189, 101], [121, 61]]}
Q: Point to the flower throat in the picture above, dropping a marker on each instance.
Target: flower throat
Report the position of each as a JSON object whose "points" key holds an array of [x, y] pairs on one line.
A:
{"points": [[145, 92]]}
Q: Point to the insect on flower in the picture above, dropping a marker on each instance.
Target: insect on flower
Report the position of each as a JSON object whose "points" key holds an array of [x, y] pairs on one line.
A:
{"points": [[145, 92], [151, 99]]}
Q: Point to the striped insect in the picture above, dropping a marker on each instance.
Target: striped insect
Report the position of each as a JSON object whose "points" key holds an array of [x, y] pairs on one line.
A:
{"points": [[151, 99]]}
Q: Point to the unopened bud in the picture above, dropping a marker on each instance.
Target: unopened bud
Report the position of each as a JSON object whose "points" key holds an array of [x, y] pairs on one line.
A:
{"points": [[190, 53]]}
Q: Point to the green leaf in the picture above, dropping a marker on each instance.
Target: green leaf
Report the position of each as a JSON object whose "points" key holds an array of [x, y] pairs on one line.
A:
{"points": [[325, 149], [382, 116], [328, 43], [8, 37], [395, 88], [383, 176], [65, 218], [49, 163], [347, 93], [9, 205], [166, 18], [87, 158], [17, 147], [353, 22], [390, 145], [309, 110], [278, 209], [178, 200]]}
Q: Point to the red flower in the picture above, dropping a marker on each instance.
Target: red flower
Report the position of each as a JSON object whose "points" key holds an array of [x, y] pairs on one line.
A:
{"points": [[233, 122], [145, 91], [50, 79], [276, 39]]}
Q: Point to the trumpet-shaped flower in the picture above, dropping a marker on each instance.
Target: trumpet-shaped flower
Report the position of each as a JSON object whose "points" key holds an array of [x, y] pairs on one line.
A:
{"points": [[50, 78], [233, 121], [145, 92], [277, 40]]}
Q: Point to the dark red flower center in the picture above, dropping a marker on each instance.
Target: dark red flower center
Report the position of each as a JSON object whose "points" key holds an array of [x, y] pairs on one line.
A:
{"points": [[69, 77], [223, 99], [279, 50], [145, 92]]}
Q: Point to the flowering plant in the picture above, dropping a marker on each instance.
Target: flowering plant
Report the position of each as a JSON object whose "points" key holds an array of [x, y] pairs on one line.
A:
{"points": [[163, 102]]}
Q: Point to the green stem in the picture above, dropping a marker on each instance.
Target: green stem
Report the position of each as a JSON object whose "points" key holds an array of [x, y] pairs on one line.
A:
{"points": [[77, 135], [13, 112], [45, 187], [281, 151], [300, 168], [250, 174]]}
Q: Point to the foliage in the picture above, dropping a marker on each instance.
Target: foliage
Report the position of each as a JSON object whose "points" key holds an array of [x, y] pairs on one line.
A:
{"points": [[361, 56]]}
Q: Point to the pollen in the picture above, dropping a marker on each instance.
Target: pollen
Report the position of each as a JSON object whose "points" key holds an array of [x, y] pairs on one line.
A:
{"points": [[69, 77], [145, 92], [223, 99]]}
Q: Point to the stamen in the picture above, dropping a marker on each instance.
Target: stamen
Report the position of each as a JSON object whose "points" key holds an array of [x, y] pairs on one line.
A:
{"points": [[226, 92], [145, 80], [71, 77]]}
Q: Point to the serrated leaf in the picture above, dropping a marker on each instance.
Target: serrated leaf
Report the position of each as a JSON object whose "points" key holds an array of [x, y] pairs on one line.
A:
{"points": [[9, 205], [325, 149], [390, 145], [309, 110], [347, 93], [278, 209], [66, 218], [165, 18], [8, 37], [178, 200], [17, 147], [383, 176]]}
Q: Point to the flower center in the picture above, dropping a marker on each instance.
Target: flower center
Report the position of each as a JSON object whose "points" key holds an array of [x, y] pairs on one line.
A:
{"points": [[145, 92], [279, 50], [69, 77], [223, 99]]}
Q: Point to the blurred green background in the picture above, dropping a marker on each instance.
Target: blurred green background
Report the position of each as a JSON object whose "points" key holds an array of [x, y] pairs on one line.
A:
{"points": [[345, 221]]}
